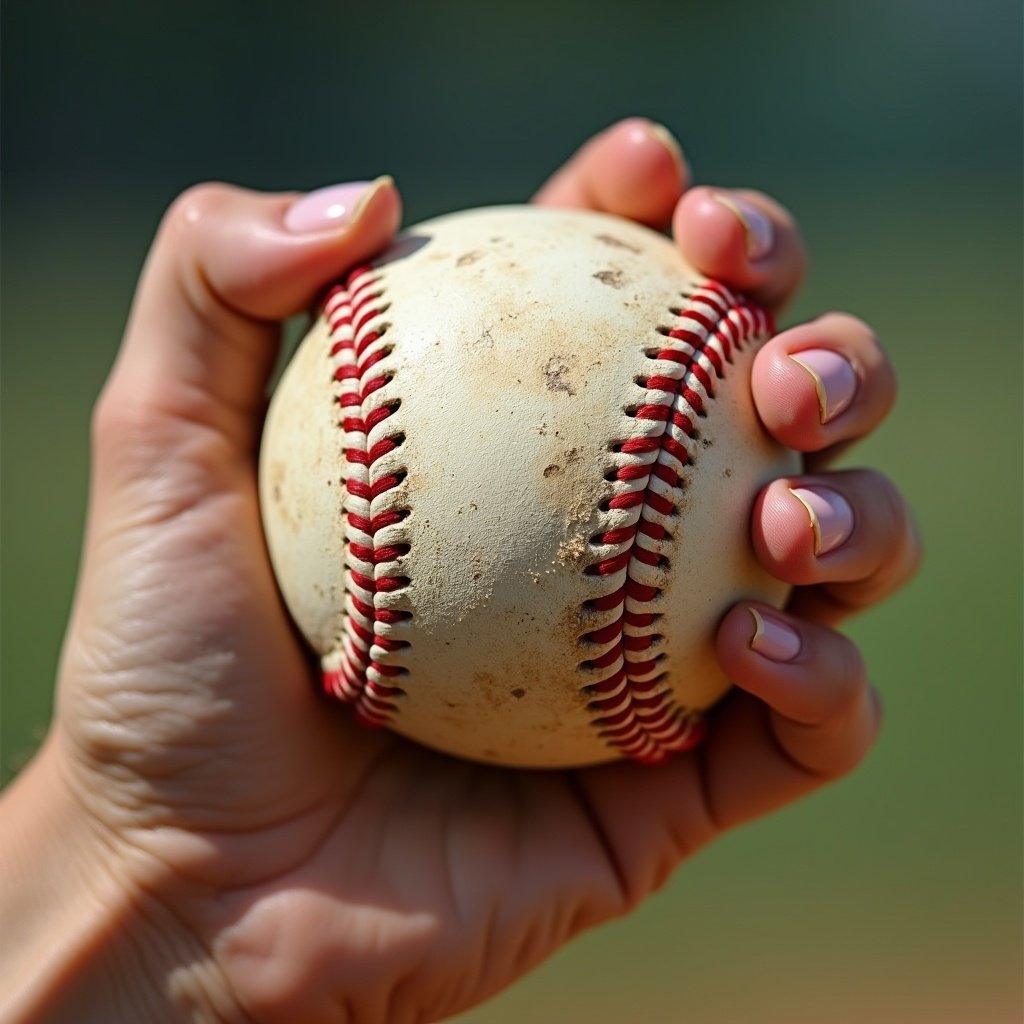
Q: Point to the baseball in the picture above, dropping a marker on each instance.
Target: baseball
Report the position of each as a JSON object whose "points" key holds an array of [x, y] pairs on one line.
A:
{"points": [[507, 481]]}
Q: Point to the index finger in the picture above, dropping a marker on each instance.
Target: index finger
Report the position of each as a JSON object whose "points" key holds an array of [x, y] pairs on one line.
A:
{"points": [[635, 169]]}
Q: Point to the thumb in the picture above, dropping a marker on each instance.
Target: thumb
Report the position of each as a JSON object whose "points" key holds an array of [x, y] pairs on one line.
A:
{"points": [[226, 267]]}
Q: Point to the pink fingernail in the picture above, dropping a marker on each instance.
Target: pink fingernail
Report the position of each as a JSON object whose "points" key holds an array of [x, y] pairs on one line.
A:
{"points": [[773, 638], [760, 233], [830, 513], [335, 206], [834, 380]]}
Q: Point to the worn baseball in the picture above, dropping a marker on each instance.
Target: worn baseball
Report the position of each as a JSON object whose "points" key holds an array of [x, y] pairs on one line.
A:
{"points": [[507, 482]]}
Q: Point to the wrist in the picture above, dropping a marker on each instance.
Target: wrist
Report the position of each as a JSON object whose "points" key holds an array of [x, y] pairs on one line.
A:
{"points": [[72, 922]]}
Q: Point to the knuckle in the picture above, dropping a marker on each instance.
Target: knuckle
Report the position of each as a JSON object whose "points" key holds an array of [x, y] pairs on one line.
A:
{"points": [[195, 207]]}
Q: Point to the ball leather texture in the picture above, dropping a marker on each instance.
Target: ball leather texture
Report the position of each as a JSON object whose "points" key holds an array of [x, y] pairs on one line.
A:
{"points": [[506, 484]]}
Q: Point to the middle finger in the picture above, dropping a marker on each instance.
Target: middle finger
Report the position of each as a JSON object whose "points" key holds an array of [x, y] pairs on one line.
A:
{"points": [[846, 536]]}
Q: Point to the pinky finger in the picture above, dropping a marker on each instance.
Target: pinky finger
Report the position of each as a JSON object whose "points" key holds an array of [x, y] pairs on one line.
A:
{"points": [[824, 714]]}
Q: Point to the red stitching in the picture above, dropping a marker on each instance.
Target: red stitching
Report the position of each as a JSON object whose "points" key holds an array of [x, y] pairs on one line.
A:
{"points": [[633, 709], [361, 676], [632, 706]]}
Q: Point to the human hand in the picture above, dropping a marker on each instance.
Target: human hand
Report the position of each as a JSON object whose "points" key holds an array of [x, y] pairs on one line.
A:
{"points": [[268, 860]]}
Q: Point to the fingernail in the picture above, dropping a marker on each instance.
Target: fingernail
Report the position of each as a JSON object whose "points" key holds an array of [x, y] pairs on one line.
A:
{"points": [[835, 380], [760, 233], [662, 135], [335, 206], [830, 513], [773, 639]]}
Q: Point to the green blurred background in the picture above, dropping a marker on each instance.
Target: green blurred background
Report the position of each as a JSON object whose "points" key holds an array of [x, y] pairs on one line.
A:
{"points": [[893, 131]]}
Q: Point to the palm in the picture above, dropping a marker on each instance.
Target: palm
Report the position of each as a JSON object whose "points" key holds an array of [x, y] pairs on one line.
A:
{"points": [[342, 839], [432, 876], [416, 872]]}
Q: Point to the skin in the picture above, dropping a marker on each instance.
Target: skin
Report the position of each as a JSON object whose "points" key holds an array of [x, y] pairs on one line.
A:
{"points": [[198, 839]]}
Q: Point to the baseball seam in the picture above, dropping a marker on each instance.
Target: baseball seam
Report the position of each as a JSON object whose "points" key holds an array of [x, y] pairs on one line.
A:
{"points": [[361, 669], [628, 694]]}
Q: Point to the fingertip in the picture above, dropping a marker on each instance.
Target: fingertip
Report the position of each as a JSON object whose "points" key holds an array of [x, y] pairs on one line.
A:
{"points": [[736, 632], [788, 399], [374, 223], [364, 215], [822, 383], [756, 644], [773, 638], [808, 675], [654, 154], [391, 208], [783, 534], [305, 243], [633, 169], [742, 238], [711, 236], [671, 144]]}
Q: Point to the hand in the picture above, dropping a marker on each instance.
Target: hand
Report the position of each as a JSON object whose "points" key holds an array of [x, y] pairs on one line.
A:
{"points": [[210, 842]]}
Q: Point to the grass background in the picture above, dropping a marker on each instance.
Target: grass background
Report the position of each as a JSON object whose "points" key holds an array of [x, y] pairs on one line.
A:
{"points": [[894, 133]]}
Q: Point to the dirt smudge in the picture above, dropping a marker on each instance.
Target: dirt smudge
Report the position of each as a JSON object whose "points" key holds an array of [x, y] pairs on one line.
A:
{"points": [[557, 374], [614, 278]]}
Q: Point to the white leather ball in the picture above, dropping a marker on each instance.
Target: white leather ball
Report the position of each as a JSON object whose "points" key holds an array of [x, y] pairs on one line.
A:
{"points": [[507, 482]]}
